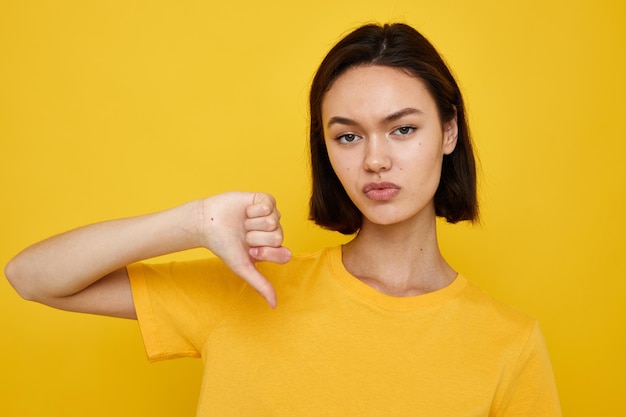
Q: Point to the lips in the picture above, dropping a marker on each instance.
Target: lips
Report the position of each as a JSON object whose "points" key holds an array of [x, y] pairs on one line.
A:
{"points": [[381, 191]]}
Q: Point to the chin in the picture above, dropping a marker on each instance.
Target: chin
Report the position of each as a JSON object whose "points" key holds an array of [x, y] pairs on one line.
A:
{"points": [[385, 220], [399, 219]]}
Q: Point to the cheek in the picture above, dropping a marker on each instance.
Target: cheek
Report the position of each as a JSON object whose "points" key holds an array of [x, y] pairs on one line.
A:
{"points": [[421, 163], [426, 152], [338, 162], [343, 170]]}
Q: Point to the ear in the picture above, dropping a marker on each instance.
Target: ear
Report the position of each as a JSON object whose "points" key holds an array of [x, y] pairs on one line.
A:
{"points": [[450, 135]]}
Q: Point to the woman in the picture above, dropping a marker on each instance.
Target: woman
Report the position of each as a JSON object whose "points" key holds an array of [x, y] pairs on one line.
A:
{"points": [[380, 326]]}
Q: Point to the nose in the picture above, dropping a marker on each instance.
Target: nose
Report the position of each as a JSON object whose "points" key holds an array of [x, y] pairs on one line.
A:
{"points": [[377, 157]]}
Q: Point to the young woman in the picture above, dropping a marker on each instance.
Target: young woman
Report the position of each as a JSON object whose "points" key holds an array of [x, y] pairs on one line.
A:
{"points": [[380, 326]]}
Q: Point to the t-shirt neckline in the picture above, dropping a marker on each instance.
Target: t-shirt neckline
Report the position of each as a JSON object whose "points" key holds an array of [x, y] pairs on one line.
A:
{"points": [[371, 295]]}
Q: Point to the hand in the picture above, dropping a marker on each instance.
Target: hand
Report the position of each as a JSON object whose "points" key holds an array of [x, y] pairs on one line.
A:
{"points": [[241, 229]]}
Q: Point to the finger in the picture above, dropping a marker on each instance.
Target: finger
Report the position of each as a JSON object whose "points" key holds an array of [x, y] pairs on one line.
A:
{"points": [[263, 205], [265, 223], [259, 210], [280, 255], [272, 239], [259, 198], [257, 281]]}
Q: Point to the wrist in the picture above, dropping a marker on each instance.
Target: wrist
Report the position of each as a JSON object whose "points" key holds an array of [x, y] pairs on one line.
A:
{"points": [[177, 228], [199, 224]]}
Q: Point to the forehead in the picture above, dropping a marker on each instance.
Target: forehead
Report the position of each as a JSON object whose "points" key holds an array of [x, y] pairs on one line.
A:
{"points": [[376, 91]]}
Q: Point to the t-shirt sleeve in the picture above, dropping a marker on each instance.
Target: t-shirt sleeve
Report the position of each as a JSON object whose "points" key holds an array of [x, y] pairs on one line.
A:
{"points": [[179, 304], [531, 391]]}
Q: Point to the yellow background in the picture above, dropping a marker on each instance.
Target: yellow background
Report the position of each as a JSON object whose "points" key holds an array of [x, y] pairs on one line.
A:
{"points": [[116, 108]]}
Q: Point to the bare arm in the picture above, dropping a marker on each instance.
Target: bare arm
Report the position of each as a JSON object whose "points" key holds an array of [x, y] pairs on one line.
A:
{"points": [[84, 269]]}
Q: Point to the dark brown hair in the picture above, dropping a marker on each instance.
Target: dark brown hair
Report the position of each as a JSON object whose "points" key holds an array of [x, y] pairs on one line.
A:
{"points": [[400, 46]]}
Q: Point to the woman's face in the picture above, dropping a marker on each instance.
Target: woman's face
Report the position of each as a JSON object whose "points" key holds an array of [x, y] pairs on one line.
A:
{"points": [[386, 142]]}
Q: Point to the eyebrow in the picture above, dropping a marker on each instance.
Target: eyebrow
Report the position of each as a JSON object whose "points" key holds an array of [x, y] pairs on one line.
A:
{"points": [[387, 119]]}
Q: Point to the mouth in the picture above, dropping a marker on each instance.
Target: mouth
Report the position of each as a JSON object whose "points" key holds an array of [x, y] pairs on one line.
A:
{"points": [[381, 191]]}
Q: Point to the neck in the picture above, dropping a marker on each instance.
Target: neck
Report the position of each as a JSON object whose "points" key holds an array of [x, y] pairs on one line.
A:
{"points": [[398, 260]]}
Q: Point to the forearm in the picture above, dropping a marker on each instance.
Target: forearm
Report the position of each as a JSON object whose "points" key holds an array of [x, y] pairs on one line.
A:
{"points": [[66, 264], [83, 270]]}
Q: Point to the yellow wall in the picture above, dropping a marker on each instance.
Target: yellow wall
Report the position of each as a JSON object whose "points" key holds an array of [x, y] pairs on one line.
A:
{"points": [[113, 108]]}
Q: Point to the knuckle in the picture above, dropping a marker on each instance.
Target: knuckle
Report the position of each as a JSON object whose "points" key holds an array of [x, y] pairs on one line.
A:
{"points": [[277, 239], [271, 223]]}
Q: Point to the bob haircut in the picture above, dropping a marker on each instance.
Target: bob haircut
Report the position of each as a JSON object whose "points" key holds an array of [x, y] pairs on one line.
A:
{"points": [[399, 46]]}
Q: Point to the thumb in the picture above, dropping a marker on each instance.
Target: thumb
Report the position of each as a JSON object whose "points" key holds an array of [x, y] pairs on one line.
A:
{"points": [[252, 276]]}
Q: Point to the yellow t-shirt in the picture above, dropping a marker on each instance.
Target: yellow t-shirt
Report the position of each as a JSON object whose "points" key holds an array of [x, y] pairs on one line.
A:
{"points": [[336, 347]]}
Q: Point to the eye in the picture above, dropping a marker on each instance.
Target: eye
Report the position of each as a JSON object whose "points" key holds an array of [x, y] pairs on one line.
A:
{"points": [[347, 138], [404, 130]]}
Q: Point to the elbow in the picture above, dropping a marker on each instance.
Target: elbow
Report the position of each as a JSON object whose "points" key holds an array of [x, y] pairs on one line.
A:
{"points": [[17, 278]]}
